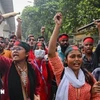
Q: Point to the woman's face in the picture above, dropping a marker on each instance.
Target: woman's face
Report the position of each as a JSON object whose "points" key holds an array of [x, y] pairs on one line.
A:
{"points": [[39, 52], [74, 60], [18, 53], [39, 47]]}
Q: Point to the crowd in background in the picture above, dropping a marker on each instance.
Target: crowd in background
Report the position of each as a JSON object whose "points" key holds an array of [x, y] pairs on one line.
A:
{"points": [[33, 70]]}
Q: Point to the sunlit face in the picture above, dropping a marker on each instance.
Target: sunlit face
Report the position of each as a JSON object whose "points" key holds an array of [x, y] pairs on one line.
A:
{"points": [[31, 41], [18, 53], [88, 46], [74, 60]]}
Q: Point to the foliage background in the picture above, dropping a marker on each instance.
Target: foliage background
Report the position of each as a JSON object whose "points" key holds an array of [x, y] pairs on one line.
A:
{"points": [[76, 13]]}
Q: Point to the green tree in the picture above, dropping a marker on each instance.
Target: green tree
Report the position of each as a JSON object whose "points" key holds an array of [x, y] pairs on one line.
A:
{"points": [[76, 14], [37, 16]]}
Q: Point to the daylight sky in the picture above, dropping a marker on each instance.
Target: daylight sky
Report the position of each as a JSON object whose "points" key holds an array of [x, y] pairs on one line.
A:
{"points": [[19, 6]]}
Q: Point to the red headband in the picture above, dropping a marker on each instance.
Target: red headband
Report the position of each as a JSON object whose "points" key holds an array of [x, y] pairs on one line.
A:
{"points": [[39, 44], [63, 37], [88, 40], [75, 48], [16, 43]]}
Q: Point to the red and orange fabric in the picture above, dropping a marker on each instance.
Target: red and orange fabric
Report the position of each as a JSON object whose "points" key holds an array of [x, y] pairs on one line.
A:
{"points": [[82, 93]]}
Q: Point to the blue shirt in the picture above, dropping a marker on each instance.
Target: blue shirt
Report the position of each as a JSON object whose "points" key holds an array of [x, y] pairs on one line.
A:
{"points": [[61, 55]]}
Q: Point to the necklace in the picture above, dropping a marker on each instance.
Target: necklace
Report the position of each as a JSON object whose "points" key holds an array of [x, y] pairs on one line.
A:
{"points": [[23, 74]]}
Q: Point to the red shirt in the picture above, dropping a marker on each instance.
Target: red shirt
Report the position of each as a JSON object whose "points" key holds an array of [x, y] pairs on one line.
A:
{"points": [[31, 55]]}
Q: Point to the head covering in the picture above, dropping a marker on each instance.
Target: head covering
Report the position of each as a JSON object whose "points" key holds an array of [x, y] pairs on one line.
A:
{"points": [[62, 36], [88, 39], [39, 44], [22, 44], [70, 48]]}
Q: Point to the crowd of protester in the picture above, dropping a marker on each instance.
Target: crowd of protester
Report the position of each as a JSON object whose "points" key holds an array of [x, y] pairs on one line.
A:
{"points": [[33, 70]]}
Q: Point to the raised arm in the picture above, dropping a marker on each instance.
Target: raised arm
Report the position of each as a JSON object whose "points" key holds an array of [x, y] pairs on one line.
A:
{"points": [[98, 46], [54, 60], [53, 39], [98, 26], [19, 28]]}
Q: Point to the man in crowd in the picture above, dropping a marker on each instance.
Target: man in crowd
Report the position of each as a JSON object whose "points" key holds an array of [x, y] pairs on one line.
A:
{"points": [[89, 55], [91, 60], [31, 41], [63, 43], [3, 51]]}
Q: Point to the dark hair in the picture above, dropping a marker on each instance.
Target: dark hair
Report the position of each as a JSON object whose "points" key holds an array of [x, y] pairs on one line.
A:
{"points": [[70, 48], [29, 37], [64, 34], [41, 37], [12, 36], [41, 44], [23, 44], [88, 77], [81, 47]]}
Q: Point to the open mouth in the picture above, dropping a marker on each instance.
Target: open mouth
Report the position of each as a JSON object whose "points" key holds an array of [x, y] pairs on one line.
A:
{"points": [[76, 64], [89, 49], [15, 55]]}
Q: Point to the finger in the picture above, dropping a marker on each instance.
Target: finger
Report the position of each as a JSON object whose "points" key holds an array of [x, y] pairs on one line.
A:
{"points": [[98, 83]]}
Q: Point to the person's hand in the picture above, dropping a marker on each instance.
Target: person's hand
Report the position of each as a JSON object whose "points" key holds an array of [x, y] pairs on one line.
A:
{"points": [[19, 20], [96, 87], [97, 24], [43, 29], [58, 19], [36, 97], [1, 18]]}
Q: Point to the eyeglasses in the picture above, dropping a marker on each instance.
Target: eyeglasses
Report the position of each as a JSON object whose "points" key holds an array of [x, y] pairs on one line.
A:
{"points": [[41, 40], [31, 39], [16, 48]]}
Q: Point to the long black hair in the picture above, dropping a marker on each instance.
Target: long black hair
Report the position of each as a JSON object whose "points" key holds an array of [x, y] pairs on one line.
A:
{"points": [[88, 76]]}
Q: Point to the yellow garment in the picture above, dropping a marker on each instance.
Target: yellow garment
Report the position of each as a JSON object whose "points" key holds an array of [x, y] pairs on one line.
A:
{"points": [[6, 53], [94, 49]]}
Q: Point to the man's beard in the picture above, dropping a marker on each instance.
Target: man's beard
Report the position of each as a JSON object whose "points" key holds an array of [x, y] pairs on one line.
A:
{"points": [[63, 48]]}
